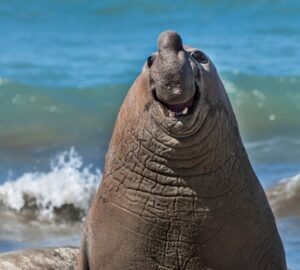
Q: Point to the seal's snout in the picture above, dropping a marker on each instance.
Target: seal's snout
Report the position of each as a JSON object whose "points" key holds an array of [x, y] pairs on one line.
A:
{"points": [[170, 40], [172, 78]]}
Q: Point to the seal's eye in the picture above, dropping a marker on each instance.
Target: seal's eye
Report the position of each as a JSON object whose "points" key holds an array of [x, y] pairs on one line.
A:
{"points": [[200, 57], [150, 60]]}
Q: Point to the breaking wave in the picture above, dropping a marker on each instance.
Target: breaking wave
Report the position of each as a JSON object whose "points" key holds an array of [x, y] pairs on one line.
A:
{"points": [[285, 197], [62, 194]]}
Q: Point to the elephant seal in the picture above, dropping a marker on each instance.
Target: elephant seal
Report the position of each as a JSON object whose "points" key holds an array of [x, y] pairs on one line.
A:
{"points": [[178, 191]]}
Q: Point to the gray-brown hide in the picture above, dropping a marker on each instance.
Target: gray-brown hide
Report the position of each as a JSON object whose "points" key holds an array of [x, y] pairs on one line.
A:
{"points": [[178, 191]]}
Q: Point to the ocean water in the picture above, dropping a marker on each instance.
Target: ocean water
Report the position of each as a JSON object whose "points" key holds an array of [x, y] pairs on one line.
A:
{"points": [[65, 67]]}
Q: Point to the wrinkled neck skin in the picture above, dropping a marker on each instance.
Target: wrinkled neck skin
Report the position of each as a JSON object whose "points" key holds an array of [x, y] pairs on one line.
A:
{"points": [[160, 163]]}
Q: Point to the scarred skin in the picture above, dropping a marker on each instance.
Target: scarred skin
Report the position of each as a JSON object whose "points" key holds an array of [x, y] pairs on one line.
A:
{"points": [[178, 191]]}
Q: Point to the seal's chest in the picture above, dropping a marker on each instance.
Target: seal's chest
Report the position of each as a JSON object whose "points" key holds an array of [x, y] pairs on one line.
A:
{"points": [[174, 248]]}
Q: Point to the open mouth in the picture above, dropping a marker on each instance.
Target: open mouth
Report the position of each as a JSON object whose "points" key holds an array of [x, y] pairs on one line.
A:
{"points": [[181, 109]]}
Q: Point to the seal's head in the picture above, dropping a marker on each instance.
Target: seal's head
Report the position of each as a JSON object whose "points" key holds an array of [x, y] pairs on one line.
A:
{"points": [[183, 83]]}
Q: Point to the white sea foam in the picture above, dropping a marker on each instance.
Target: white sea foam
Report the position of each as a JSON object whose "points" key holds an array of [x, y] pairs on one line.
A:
{"points": [[229, 86], [67, 183], [285, 197]]}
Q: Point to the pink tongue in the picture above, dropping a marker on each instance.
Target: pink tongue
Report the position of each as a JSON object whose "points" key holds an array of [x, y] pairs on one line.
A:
{"points": [[180, 107]]}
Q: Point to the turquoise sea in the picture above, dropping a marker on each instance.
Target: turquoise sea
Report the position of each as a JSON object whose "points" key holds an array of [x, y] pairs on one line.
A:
{"points": [[65, 67]]}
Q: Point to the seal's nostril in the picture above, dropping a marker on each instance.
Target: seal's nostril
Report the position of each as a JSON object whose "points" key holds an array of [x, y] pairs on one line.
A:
{"points": [[150, 60], [170, 40]]}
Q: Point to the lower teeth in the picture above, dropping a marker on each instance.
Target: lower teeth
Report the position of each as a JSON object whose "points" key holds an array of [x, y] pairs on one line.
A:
{"points": [[177, 114]]}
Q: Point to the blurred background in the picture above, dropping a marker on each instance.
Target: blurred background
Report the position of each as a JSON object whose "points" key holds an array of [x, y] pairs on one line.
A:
{"points": [[65, 67]]}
